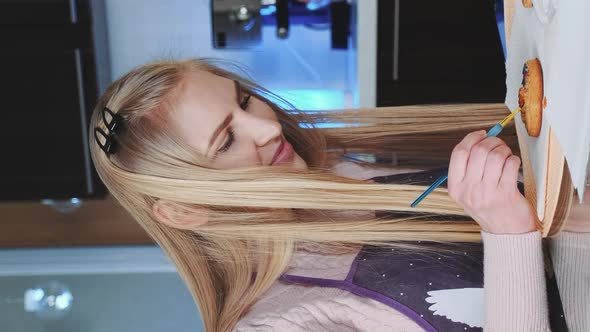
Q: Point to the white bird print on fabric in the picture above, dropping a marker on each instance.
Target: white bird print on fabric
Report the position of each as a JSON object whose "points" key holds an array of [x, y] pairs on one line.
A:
{"points": [[462, 305]]}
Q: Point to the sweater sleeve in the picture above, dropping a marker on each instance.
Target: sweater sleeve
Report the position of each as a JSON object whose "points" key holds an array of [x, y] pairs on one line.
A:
{"points": [[570, 253], [514, 283]]}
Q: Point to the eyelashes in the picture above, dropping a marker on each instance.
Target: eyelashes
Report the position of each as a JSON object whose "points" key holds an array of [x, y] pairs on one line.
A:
{"points": [[228, 142], [230, 132], [245, 102]]}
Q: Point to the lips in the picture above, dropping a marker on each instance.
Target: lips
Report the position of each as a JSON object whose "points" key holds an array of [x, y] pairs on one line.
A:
{"points": [[278, 152], [284, 153]]}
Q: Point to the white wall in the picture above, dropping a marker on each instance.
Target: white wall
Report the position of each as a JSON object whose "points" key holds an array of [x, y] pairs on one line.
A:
{"points": [[144, 30]]}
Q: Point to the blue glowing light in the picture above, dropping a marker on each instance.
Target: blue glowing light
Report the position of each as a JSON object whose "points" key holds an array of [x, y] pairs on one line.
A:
{"points": [[265, 11], [313, 99]]}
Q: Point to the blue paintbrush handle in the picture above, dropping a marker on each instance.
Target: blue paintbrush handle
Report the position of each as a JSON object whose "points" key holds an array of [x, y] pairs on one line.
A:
{"points": [[492, 132], [497, 129], [433, 186]]}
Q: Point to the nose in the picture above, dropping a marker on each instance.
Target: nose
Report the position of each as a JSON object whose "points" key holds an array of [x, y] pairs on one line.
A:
{"points": [[262, 130]]}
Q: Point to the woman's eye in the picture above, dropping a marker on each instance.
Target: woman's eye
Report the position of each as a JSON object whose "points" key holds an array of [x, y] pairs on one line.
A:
{"points": [[245, 102], [228, 142]]}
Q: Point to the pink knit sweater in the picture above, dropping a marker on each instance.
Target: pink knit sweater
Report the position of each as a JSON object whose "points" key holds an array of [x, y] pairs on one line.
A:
{"points": [[514, 287]]}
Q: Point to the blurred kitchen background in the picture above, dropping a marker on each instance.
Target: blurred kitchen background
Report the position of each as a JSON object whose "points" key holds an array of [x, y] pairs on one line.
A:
{"points": [[70, 258]]}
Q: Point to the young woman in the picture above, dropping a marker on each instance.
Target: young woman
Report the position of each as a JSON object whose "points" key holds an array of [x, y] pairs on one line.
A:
{"points": [[252, 202]]}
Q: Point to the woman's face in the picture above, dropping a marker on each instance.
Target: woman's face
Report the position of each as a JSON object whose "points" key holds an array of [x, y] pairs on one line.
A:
{"points": [[228, 126]]}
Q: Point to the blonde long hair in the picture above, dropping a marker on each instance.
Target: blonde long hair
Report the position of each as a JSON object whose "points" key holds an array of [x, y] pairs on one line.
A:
{"points": [[255, 209]]}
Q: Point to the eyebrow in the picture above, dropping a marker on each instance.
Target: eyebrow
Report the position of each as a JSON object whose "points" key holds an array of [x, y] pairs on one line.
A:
{"points": [[227, 119]]}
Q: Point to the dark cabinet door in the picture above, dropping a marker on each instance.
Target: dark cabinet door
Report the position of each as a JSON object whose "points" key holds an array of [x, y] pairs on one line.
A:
{"points": [[48, 88], [432, 51]]}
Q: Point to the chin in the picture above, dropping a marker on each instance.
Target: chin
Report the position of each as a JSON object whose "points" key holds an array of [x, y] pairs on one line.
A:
{"points": [[299, 163]]}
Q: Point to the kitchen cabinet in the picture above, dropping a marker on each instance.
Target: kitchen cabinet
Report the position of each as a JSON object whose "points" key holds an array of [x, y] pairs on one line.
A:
{"points": [[49, 86], [98, 222], [432, 51]]}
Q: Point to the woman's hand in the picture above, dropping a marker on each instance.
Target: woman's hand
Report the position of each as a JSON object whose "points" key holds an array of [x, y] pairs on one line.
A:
{"points": [[483, 175]]}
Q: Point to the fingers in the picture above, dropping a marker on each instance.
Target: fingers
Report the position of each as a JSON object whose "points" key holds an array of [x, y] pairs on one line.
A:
{"points": [[460, 156], [478, 158], [494, 165], [510, 174], [482, 179]]}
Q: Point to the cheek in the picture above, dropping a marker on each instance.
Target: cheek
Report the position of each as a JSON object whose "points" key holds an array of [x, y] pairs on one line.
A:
{"points": [[262, 110], [240, 155], [299, 163]]}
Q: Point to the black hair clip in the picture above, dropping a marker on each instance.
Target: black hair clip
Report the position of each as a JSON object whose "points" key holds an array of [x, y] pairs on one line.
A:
{"points": [[110, 143]]}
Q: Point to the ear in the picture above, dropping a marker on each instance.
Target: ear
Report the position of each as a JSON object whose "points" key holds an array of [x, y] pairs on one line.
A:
{"points": [[178, 215]]}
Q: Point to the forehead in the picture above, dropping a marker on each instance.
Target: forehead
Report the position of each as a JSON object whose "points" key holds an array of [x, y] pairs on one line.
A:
{"points": [[204, 101]]}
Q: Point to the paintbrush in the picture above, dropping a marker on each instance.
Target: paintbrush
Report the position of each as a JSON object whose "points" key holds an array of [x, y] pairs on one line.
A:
{"points": [[494, 131]]}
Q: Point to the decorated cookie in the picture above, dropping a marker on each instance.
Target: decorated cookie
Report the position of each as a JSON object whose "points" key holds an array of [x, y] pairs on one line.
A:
{"points": [[530, 97]]}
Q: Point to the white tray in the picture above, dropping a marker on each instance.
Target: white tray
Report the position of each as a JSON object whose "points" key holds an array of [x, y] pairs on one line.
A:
{"points": [[558, 33]]}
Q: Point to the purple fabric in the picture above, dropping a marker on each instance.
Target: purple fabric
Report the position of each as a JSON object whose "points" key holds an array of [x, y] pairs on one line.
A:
{"points": [[365, 278], [458, 269], [348, 285], [406, 276]]}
